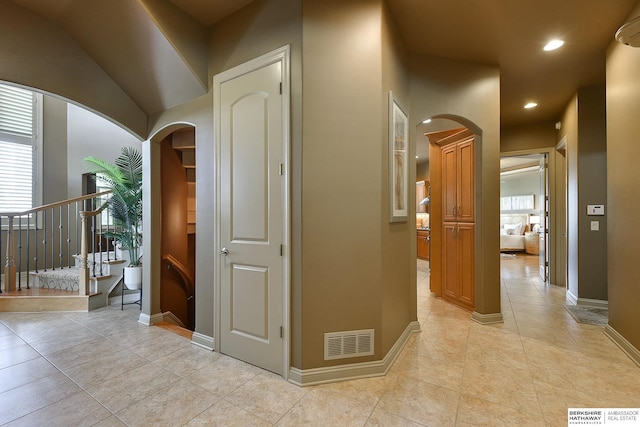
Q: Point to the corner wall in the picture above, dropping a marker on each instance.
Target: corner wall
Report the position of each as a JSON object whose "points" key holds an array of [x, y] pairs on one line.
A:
{"points": [[623, 189], [584, 127], [342, 206]]}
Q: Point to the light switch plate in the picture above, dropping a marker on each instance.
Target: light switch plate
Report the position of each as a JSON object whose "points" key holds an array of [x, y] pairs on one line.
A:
{"points": [[595, 225]]}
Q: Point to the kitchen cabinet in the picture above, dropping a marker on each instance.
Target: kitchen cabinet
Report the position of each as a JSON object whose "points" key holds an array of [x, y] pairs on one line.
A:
{"points": [[458, 231], [423, 244], [457, 182]]}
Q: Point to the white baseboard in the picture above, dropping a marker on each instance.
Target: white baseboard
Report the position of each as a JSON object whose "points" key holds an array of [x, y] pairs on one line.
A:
{"points": [[620, 341], [202, 340], [487, 319], [595, 303], [306, 377], [571, 298], [169, 317], [150, 320]]}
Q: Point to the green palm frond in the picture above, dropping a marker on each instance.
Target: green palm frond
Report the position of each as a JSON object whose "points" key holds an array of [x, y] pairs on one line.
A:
{"points": [[124, 179]]}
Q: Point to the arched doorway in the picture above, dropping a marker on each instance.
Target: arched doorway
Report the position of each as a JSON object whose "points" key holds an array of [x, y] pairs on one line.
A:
{"points": [[453, 176], [177, 225]]}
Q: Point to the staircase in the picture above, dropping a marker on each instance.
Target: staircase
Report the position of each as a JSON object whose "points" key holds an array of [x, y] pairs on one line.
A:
{"points": [[54, 259], [104, 276]]}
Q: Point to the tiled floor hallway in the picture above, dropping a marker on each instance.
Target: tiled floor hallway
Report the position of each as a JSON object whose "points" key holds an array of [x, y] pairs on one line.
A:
{"points": [[104, 369]]}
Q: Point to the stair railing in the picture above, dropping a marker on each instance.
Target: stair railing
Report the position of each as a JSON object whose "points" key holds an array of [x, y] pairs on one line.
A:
{"points": [[64, 227]]}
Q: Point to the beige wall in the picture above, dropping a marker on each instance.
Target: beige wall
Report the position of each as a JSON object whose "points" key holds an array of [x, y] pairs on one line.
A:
{"points": [[342, 198], [530, 137], [592, 173], [472, 93], [584, 127], [398, 261], [569, 133], [54, 150], [623, 184]]}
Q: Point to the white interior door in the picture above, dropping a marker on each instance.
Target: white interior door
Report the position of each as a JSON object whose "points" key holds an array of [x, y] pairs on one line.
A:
{"points": [[543, 210], [252, 228]]}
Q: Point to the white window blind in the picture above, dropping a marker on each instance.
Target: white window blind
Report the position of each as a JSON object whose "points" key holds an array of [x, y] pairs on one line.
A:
{"points": [[18, 144]]}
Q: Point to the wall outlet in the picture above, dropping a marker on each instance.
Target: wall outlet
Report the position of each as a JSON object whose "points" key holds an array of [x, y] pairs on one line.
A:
{"points": [[595, 225]]}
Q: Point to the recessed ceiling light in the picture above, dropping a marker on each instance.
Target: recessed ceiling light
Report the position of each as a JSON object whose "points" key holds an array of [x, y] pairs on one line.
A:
{"points": [[553, 45], [426, 121], [417, 157], [530, 105]]}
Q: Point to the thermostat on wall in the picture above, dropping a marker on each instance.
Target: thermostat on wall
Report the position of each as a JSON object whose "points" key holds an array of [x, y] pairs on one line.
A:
{"points": [[595, 209]]}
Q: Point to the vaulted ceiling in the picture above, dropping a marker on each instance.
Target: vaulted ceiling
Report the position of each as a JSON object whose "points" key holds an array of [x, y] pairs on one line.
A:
{"points": [[156, 50]]}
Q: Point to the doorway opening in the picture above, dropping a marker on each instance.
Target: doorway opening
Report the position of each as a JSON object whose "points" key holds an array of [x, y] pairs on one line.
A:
{"points": [[445, 206], [178, 249], [524, 209]]}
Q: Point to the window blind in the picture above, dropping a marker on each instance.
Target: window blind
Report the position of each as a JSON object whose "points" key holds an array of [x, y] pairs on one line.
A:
{"points": [[17, 142], [16, 177], [16, 111]]}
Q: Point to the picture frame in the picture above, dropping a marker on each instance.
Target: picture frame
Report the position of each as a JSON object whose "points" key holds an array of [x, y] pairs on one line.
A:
{"points": [[398, 161]]}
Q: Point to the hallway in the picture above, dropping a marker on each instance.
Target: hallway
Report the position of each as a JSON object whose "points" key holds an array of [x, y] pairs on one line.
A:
{"points": [[103, 368]]}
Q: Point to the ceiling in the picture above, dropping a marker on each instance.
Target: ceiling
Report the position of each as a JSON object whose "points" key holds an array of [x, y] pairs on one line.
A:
{"points": [[511, 34], [134, 49]]}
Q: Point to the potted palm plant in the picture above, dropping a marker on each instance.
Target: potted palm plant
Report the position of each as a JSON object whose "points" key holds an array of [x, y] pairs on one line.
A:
{"points": [[124, 179]]}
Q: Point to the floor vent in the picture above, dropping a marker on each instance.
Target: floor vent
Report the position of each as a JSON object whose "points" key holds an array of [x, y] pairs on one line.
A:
{"points": [[340, 345]]}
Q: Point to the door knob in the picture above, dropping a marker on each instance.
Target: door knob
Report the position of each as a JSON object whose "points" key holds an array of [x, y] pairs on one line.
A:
{"points": [[223, 251]]}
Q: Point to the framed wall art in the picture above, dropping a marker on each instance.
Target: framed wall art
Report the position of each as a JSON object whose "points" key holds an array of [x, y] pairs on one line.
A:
{"points": [[398, 161]]}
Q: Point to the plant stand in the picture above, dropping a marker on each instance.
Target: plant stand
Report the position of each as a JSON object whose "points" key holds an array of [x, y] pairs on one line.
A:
{"points": [[131, 291]]}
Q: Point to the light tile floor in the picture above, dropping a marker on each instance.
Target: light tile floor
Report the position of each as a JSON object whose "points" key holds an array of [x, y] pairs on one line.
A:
{"points": [[104, 369]]}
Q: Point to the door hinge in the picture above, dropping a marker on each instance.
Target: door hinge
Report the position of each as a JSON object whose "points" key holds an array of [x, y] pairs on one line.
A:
{"points": [[281, 169], [281, 250], [280, 88], [281, 332]]}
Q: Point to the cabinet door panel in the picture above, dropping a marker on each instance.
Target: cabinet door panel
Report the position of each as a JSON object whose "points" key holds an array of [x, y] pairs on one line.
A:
{"points": [[467, 263], [450, 262], [465, 181], [449, 183]]}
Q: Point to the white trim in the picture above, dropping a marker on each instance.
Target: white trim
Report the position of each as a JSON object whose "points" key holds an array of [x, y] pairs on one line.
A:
{"points": [[625, 346], [596, 303], [281, 55], [353, 371], [203, 341], [150, 320], [169, 317], [487, 319], [571, 298]]}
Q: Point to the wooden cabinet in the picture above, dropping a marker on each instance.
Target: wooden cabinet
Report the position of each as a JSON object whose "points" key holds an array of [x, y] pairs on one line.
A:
{"points": [[423, 244], [457, 182], [458, 232], [458, 269], [531, 243]]}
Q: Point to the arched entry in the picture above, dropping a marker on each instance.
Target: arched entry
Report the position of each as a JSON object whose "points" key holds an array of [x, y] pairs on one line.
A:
{"points": [[454, 176], [177, 224]]}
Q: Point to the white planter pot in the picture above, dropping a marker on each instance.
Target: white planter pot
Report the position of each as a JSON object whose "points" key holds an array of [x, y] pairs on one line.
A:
{"points": [[133, 277]]}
